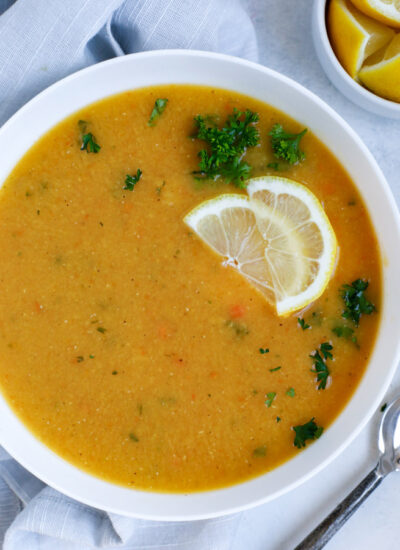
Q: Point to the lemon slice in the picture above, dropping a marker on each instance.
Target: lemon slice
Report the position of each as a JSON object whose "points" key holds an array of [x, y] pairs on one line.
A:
{"points": [[280, 240], [386, 11], [382, 75], [354, 36]]}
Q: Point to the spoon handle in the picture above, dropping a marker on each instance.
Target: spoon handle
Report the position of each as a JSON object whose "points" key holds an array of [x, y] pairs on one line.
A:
{"points": [[338, 517]]}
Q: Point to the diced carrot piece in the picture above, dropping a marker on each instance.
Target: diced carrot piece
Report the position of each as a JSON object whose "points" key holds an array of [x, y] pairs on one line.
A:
{"points": [[236, 311]]}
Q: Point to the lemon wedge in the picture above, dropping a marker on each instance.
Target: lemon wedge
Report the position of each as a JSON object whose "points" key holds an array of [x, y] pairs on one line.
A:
{"points": [[382, 74], [354, 36], [386, 11], [279, 239]]}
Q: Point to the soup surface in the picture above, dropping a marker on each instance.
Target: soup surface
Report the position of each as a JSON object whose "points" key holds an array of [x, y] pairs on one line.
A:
{"points": [[125, 345]]}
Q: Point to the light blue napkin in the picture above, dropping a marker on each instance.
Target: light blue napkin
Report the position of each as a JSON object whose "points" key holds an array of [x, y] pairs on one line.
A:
{"points": [[42, 41]]}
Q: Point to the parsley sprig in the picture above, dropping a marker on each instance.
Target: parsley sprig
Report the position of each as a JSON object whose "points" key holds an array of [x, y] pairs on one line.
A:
{"points": [[320, 367], [269, 398], [355, 301], [89, 143], [131, 181], [305, 432], [226, 146], [285, 145], [158, 109]]}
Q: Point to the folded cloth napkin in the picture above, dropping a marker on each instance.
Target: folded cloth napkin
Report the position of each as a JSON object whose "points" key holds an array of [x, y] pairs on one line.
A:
{"points": [[42, 41]]}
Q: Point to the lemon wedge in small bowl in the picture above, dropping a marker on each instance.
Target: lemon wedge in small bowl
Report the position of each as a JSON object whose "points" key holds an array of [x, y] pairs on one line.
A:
{"points": [[279, 238]]}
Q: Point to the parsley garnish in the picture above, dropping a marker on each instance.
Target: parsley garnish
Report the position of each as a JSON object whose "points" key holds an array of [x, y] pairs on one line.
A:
{"points": [[263, 350], [79, 359], [343, 331], [226, 145], [302, 323], [114, 372], [278, 419], [270, 397], [290, 392], [355, 301], [275, 369], [260, 451], [131, 181], [101, 329], [158, 109], [133, 437], [320, 367], [286, 145], [306, 431], [383, 408], [89, 143], [273, 165]]}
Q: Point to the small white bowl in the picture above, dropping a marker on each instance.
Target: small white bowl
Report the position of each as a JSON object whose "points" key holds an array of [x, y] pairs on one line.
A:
{"points": [[338, 76], [190, 67]]}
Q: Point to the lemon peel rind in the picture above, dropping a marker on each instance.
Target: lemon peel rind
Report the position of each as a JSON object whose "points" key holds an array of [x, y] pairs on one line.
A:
{"points": [[279, 185]]}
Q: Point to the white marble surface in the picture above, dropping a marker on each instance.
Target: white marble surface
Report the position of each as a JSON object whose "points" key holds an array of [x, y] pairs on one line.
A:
{"points": [[284, 34]]}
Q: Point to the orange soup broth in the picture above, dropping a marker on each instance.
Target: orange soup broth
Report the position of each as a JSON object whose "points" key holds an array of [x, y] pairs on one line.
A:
{"points": [[125, 345]]}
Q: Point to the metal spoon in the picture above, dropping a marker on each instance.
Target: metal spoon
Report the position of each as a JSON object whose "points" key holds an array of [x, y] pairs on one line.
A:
{"points": [[389, 461]]}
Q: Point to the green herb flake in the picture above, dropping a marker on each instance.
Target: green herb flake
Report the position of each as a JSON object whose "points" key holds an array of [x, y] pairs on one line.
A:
{"points": [[133, 437], [260, 451], [114, 372], [101, 329], [240, 329], [384, 407], [91, 356], [274, 165], [131, 181], [80, 358], [269, 398], [305, 432], [158, 109], [355, 301], [320, 367], [303, 324], [285, 145], [160, 188], [275, 369], [343, 331], [278, 419], [263, 350], [89, 143], [226, 147], [291, 392]]}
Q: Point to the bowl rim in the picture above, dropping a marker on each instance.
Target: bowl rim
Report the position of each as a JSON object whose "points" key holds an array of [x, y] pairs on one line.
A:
{"points": [[97, 493], [332, 66]]}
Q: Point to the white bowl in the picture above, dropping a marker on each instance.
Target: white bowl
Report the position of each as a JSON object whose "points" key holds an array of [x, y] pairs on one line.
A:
{"points": [[338, 76], [160, 67]]}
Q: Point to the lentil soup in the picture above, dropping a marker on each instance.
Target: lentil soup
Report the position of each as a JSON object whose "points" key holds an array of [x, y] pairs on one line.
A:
{"points": [[126, 345]]}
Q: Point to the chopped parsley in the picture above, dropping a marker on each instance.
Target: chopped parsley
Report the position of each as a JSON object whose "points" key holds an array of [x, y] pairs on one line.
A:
{"points": [[226, 146], [285, 145], [91, 356], [133, 437], [80, 358], [260, 451], [355, 301], [303, 324], [158, 109], [101, 329], [131, 181], [114, 372], [278, 419], [383, 408], [320, 367], [89, 143], [263, 350], [291, 392], [270, 397], [305, 432], [343, 331], [275, 369], [240, 329], [273, 165]]}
